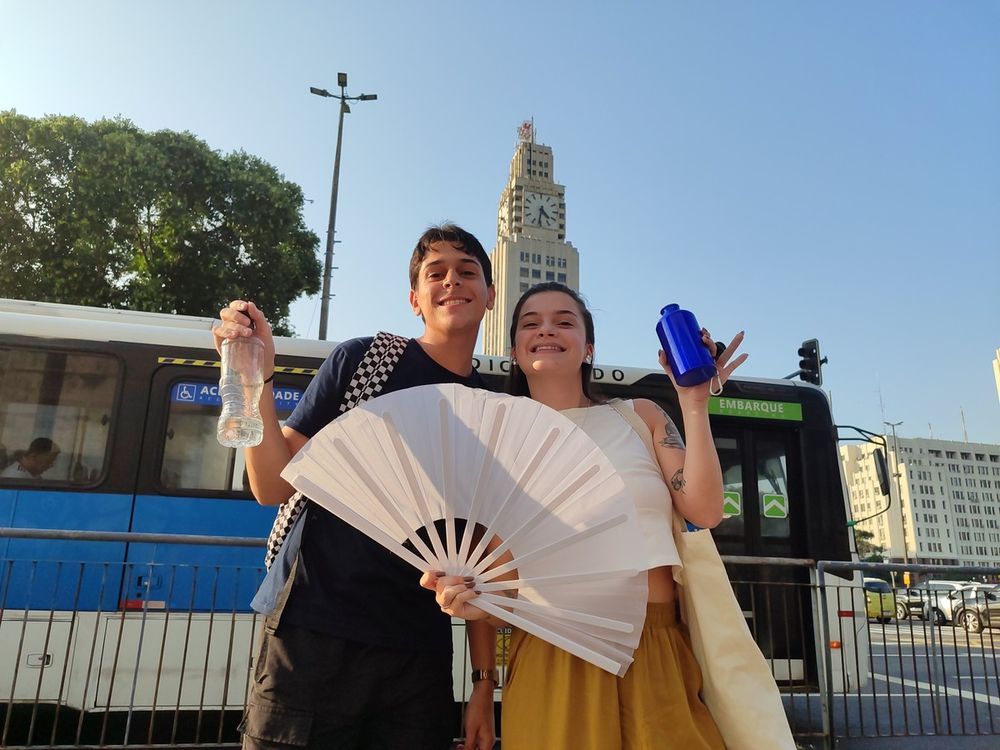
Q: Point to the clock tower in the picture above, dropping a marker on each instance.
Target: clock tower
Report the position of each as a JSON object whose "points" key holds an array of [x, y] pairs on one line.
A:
{"points": [[531, 236]]}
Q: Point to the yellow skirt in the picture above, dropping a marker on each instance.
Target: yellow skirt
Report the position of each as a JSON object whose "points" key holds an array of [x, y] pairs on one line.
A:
{"points": [[555, 700]]}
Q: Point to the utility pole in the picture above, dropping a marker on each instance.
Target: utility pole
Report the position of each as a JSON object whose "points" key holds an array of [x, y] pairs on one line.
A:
{"points": [[331, 228]]}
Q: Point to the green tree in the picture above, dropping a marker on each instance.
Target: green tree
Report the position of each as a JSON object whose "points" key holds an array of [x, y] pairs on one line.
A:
{"points": [[108, 215], [867, 550]]}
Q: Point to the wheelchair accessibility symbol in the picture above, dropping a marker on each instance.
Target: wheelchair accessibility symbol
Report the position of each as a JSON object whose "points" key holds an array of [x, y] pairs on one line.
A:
{"points": [[186, 392]]}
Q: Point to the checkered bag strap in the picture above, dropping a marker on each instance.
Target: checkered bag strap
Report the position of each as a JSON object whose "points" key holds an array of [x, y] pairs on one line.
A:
{"points": [[368, 380]]}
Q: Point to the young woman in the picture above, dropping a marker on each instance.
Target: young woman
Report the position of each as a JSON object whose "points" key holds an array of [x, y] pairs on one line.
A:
{"points": [[553, 699]]}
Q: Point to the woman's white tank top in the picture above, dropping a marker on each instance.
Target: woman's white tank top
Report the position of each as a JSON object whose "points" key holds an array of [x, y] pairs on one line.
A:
{"points": [[643, 479]]}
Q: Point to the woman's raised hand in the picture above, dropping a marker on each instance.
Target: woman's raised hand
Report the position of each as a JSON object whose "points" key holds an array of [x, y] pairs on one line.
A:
{"points": [[726, 364]]}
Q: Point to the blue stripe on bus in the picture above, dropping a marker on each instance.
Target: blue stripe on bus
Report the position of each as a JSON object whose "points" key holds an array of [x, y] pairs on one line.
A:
{"points": [[67, 575], [59, 574], [195, 577]]}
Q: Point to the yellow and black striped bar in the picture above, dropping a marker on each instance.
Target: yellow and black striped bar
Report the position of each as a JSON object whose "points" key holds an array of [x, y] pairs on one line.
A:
{"points": [[215, 363]]}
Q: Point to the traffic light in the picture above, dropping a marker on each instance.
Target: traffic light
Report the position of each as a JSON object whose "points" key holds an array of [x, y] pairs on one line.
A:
{"points": [[810, 365]]}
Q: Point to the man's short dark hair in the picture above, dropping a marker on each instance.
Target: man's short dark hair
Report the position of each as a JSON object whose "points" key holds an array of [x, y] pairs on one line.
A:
{"points": [[42, 445], [463, 240]]}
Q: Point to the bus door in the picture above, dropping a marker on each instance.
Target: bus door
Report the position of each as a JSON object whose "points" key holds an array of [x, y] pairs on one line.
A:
{"points": [[765, 516], [190, 484]]}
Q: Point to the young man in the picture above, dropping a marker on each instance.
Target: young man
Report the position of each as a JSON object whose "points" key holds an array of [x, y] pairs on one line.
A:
{"points": [[357, 656]]}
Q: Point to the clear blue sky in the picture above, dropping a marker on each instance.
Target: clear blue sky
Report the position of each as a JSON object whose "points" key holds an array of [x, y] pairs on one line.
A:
{"points": [[798, 169]]}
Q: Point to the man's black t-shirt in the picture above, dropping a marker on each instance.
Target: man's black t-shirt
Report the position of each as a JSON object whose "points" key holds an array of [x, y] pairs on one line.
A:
{"points": [[346, 584]]}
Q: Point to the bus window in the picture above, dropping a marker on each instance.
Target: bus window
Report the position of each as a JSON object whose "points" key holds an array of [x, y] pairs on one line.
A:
{"points": [[193, 460], [55, 415], [772, 488], [731, 459]]}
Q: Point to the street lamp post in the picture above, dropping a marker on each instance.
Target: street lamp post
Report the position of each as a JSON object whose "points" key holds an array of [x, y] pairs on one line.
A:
{"points": [[899, 492], [331, 228]]}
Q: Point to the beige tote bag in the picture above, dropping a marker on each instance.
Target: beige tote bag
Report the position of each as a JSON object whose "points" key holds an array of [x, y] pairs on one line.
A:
{"points": [[738, 686]]}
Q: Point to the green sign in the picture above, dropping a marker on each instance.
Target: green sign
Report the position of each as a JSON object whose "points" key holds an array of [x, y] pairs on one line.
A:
{"points": [[774, 506], [745, 407], [732, 504]]}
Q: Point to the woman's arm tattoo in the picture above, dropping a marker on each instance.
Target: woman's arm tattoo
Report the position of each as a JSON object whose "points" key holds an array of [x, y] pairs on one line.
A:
{"points": [[677, 481], [672, 438]]}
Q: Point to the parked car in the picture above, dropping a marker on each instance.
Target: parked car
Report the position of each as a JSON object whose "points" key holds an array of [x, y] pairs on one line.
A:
{"points": [[931, 600], [979, 608], [880, 603], [976, 587]]}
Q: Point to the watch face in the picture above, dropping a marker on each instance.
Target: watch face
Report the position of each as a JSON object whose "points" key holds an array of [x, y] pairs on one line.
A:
{"points": [[541, 210]]}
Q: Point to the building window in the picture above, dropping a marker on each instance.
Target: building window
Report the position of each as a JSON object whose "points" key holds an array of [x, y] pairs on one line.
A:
{"points": [[550, 276], [524, 286], [525, 257], [536, 273], [561, 277], [524, 272]]}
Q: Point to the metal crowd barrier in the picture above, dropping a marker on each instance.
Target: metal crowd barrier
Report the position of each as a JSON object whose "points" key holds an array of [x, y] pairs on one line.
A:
{"points": [[925, 678], [160, 654], [109, 654]]}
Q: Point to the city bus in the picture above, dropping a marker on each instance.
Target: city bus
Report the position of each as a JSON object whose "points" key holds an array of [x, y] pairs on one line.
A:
{"points": [[129, 402]]}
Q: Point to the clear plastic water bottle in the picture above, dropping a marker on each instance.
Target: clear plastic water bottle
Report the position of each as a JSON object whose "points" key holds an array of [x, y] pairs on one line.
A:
{"points": [[680, 336], [240, 386]]}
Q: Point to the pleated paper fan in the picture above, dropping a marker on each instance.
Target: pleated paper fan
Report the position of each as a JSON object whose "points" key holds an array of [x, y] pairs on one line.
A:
{"points": [[434, 473]]}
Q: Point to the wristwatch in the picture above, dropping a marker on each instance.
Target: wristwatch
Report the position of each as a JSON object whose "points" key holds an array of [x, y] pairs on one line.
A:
{"points": [[486, 674]]}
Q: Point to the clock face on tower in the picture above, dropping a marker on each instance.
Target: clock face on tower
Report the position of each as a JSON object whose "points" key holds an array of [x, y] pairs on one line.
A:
{"points": [[541, 210]]}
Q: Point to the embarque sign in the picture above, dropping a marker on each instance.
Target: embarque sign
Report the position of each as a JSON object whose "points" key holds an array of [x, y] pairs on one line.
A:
{"points": [[754, 408]]}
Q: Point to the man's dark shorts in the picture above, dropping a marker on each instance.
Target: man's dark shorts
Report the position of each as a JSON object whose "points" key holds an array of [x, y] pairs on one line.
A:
{"points": [[343, 695]]}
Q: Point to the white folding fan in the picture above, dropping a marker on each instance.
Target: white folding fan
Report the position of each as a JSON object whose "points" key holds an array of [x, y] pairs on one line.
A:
{"points": [[513, 470]]}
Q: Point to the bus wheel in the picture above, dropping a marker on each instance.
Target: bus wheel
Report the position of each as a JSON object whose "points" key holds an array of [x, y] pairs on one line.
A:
{"points": [[971, 622]]}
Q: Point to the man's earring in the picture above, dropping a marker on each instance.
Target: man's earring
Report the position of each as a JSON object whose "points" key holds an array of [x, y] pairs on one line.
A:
{"points": [[513, 362], [590, 359]]}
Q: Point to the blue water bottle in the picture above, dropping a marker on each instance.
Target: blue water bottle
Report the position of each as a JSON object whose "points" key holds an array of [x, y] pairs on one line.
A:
{"points": [[680, 336]]}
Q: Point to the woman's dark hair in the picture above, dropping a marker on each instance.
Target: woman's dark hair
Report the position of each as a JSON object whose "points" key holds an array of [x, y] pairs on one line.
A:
{"points": [[517, 384]]}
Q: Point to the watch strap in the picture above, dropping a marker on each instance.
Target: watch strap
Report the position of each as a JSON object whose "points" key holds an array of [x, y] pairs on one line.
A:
{"points": [[486, 674]]}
